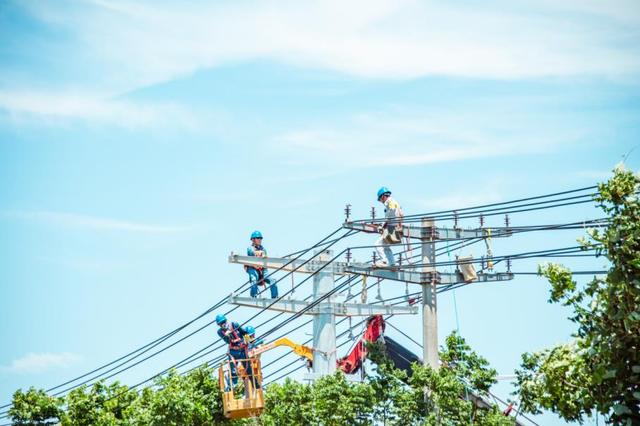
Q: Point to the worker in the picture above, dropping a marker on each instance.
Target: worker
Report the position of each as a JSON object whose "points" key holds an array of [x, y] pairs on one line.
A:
{"points": [[257, 274], [391, 229], [250, 338], [233, 334]]}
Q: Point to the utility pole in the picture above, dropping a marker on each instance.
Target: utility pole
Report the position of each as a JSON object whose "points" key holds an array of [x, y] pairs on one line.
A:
{"points": [[429, 297], [426, 274], [324, 313]]}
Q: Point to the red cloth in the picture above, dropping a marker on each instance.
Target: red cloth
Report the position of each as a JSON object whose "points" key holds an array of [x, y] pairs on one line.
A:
{"points": [[352, 362]]}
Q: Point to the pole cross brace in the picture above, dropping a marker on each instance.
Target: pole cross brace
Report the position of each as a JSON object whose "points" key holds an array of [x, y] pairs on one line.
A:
{"points": [[431, 233], [338, 309], [298, 265], [426, 277]]}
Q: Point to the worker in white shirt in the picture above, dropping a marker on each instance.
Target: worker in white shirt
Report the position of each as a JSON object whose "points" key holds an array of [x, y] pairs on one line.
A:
{"points": [[391, 228]]}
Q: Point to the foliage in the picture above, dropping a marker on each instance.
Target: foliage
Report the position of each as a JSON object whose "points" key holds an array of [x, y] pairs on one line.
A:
{"points": [[35, 407], [600, 369], [434, 397], [289, 403], [387, 396], [101, 405], [192, 399]]}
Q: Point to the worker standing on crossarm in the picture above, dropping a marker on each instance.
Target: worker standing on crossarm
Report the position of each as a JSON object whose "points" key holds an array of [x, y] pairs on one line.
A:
{"points": [[257, 274], [391, 228], [233, 334]]}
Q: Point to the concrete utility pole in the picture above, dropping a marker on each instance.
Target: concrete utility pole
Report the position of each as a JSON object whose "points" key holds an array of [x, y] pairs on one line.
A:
{"points": [[325, 312], [429, 301], [426, 274]]}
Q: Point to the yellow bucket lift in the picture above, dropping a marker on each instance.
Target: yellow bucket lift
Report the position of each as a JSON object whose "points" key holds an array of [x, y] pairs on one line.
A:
{"points": [[251, 403]]}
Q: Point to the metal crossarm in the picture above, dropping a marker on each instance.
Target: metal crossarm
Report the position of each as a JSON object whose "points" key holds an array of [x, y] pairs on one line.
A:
{"points": [[299, 265], [433, 233], [427, 277], [337, 309]]}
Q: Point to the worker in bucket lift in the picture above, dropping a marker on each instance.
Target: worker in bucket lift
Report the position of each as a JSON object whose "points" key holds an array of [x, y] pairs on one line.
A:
{"points": [[257, 275], [250, 338], [233, 335], [391, 228]]}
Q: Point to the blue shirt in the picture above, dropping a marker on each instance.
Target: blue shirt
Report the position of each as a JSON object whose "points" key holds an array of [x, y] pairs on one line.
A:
{"points": [[251, 251]]}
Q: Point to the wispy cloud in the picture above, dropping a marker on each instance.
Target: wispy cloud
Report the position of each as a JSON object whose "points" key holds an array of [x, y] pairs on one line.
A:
{"points": [[33, 363], [130, 44], [71, 220], [91, 107], [407, 138]]}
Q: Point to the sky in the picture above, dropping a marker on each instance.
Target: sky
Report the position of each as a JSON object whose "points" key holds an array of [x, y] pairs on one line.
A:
{"points": [[142, 142]]}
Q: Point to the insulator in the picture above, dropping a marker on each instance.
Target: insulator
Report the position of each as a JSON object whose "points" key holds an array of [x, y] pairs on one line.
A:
{"points": [[351, 336], [347, 212], [379, 296], [363, 294]]}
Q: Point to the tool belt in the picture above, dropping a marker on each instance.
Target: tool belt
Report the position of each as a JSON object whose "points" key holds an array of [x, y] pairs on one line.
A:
{"points": [[394, 236]]}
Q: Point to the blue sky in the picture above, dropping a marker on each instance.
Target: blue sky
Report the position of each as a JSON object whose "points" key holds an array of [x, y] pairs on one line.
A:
{"points": [[141, 142]]}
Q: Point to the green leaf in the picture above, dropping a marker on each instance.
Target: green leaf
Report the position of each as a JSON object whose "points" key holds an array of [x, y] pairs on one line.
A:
{"points": [[620, 409]]}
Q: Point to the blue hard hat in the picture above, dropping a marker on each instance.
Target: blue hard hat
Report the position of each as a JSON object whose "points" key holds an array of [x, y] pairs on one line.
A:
{"points": [[382, 191], [250, 330], [256, 234], [220, 319]]}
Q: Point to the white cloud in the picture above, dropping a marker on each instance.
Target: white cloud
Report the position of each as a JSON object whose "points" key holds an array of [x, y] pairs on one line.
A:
{"points": [[93, 223], [130, 44], [93, 108], [409, 138], [40, 362]]}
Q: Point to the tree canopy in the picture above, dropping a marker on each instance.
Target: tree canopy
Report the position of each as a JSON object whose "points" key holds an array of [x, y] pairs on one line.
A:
{"points": [[599, 369], [387, 395]]}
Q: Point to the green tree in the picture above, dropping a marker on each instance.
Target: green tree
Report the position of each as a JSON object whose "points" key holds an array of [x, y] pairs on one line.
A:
{"points": [[99, 405], [434, 397], [289, 403], [191, 399], [388, 396], [35, 408], [600, 368], [340, 402]]}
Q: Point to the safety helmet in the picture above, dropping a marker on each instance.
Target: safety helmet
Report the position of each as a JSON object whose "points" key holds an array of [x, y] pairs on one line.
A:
{"points": [[250, 330], [220, 319], [382, 191], [256, 234]]}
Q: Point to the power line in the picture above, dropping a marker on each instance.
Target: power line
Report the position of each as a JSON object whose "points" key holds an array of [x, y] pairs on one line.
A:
{"points": [[163, 338], [483, 206], [140, 351]]}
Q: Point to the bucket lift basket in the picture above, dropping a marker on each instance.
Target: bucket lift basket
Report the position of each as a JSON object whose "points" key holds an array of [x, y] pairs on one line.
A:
{"points": [[251, 403]]}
